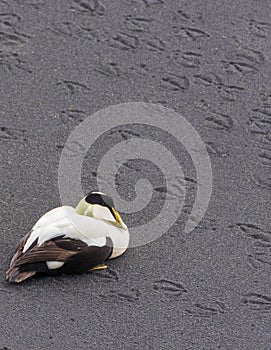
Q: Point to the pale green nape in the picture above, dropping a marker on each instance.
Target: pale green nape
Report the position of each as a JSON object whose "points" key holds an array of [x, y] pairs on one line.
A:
{"points": [[84, 208]]}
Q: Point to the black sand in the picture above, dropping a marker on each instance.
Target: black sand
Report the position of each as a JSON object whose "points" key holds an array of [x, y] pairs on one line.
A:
{"points": [[60, 61]]}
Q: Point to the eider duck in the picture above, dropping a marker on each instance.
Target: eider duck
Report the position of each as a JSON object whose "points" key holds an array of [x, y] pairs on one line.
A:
{"points": [[69, 240]]}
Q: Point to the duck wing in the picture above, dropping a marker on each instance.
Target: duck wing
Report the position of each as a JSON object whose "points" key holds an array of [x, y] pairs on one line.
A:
{"points": [[60, 255], [49, 251]]}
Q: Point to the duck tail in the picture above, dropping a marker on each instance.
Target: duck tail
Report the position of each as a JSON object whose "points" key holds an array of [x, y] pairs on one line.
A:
{"points": [[14, 275]]}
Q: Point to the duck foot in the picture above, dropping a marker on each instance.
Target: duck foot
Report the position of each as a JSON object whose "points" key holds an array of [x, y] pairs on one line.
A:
{"points": [[99, 267]]}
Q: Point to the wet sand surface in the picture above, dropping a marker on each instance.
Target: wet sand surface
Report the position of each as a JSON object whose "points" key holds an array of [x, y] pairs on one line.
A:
{"points": [[61, 61]]}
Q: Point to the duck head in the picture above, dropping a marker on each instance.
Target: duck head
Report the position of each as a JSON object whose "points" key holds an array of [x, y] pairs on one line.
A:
{"points": [[100, 206]]}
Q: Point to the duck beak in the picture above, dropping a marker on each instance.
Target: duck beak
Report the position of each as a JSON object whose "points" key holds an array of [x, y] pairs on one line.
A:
{"points": [[119, 219]]}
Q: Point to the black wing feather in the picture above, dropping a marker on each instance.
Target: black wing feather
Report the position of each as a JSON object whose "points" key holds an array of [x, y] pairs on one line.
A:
{"points": [[77, 256]]}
